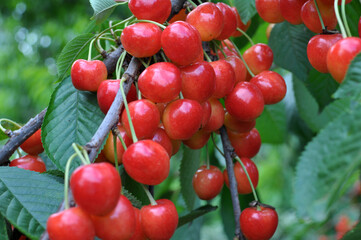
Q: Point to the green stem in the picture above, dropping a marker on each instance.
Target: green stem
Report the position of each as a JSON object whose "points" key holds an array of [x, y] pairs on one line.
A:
{"points": [[220, 49], [181, 95], [149, 195], [246, 35], [66, 180], [4, 130], [144, 63], [244, 61], [339, 20], [80, 155], [120, 62], [215, 145], [115, 152], [164, 56], [149, 21], [19, 153], [343, 12], [90, 49], [319, 14], [193, 4], [139, 94], [131, 126], [207, 57], [249, 179], [106, 38]]}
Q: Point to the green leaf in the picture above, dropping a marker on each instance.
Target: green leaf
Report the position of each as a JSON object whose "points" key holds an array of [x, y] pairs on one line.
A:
{"points": [[289, 43], [28, 198], [133, 199], [272, 124], [353, 13], [4, 230], [70, 53], [246, 9], [73, 117], [196, 213], [102, 9], [189, 165], [134, 188], [9, 126], [192, 231], [354, 234], [326, 164]]}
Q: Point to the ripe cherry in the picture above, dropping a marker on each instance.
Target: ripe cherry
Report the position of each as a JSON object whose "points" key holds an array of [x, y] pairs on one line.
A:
{"points": [[258, 223], [269, 10], [239, 68], [29, 162], [88, 181], [246, 144], [291, 10], [311, 19], [207, 111], [155, 10], [229, 21], [259, 58], [138, 232], [240, 24], [235, 125], [108, 149], [217, 116], [141, 39], [159, 221], [146, 162], [198, 140], [225, 78], [207, 182], [33, 144], [70, 224], [161, 137], [88, 75]]}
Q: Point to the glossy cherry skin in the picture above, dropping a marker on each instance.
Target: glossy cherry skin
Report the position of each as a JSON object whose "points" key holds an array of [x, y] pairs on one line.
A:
{"points": [[145, 117], [229, 21], [198, 140], [245, 102], [235, 125], [155, 10], [88, 181], [159, 221], [207, 182], [207, 111], [198, 81], [161, 137], [182, 43], [311, 19], [269, 10], [259, 58], [87, 75], [33, 144], [70, 224], [246, 144], [217, 116], [258, 224], [182, 118], [225, 78], [121, 216], [340, 55], [272, 86], [239, 68], [141, 39], [29, 162], [146, 162], [243, 186], [108, 149], [317, 49], [207, 19], [291, 10], [240, 24], [138, 232], [160, 82]]}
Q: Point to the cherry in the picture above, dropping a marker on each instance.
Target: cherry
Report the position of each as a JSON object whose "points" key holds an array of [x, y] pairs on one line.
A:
{"points": [[259, 58], [272, 86], [317, 49], [207, 19], [182, 43], [342, 226], [70, 224], [243, 186], [155, 10], [182, 118], [225, 78], [198, 81], [161, 137], [245, 144], [229, 21], [207, 182], [340, 55], [145, 117], [240, 24], [198, 140], [269, 29], [159, 221], [138, 232], [29, 162], [239, 68], [217, 116], [228, 48], [108, 149], [245, 102], [258, 224], [311, 19], [291, 10], [207, 111], [235, 125], [269, 10], [176, 144], [160, 82], [87, 75], [141, 39], [87, 184], [146, 162], [120, 223], [33, 144]]}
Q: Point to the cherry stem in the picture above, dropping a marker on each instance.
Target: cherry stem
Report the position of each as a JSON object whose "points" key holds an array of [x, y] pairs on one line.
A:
{"points": [[106, 38], [181, 95], [7, 131], [144, 63], [117, 133], [193, 4], [246, 35], [116, 38], [220, 49], [80, 155], [215, 145], [139, 94], [120, 62], [149, 21], [149, 195], [90, 49], [131, 126], [339, 19], [343, 12], [319, 14], [66, 181], [244, 61], [19, 153], [207, 57], [115, 152], [164, 56], [249, 179]]}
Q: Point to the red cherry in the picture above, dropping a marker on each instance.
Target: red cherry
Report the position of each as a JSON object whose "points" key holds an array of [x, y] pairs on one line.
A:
{"points": [[239, 68], [243, 186], [161, 137], [317, 49], [141, 39], [70, 224], [245, 102], [258, 224], [176, 144], [155, 10], [159, 221], [87, 184], [340, 55], [181, 43], [291, 10], [207, 19], [29, 162], [207, 111], [198, 140], [108, 149], [259, 58], [145, 117], [33, 144], [235, 125], [311, 19], [138, 232], [182, 118], [198, 81], [119, 224], [160, 82], [225, 78], [240, 24], [88, 75], [207, 182], [217, 116], [229, 21], [269, 10], [245, 144], [146, 162]]}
